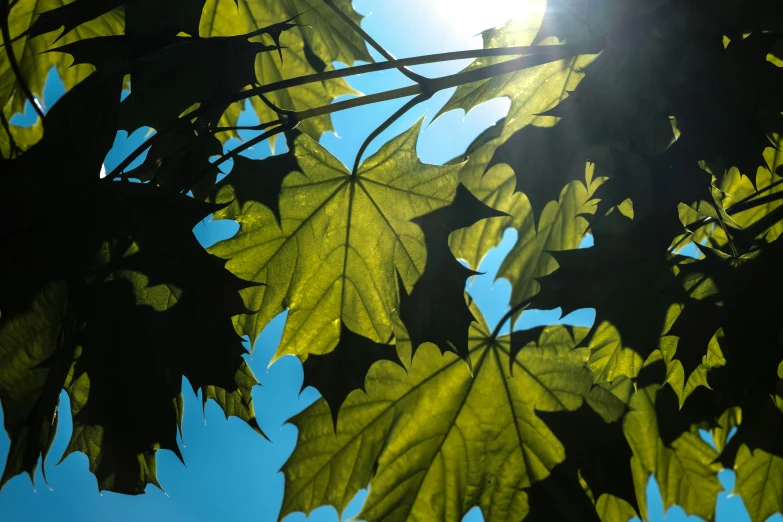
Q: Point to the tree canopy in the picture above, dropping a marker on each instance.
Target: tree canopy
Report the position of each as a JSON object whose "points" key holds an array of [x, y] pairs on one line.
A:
{"points": [[653, 125]]}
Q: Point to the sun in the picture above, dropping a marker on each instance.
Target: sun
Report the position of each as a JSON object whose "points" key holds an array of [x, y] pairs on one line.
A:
{"points": [[470, 17]]}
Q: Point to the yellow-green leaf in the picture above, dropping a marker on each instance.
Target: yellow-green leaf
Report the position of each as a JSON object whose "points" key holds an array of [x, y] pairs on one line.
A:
{"points": [[310, 49], [686, 472], [496, 189], [20, 139], [34, 62], [435, 440], [340, 244], [560, 227], [759, 482], [531, 91]]}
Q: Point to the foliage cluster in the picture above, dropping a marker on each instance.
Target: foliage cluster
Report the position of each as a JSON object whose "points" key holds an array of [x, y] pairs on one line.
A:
{"points": [[650, 124]]}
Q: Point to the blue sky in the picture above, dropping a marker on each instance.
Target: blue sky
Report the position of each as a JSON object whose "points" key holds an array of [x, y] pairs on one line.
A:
{"points": [[232, 473]]}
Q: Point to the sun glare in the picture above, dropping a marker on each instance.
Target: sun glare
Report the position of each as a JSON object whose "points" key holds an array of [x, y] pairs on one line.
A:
{"points": [[470, 17]]}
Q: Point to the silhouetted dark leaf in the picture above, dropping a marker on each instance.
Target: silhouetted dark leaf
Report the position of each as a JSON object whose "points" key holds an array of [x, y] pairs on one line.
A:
{"points": [[597, 449], [341, 371], [436, 310], [255, 180]]}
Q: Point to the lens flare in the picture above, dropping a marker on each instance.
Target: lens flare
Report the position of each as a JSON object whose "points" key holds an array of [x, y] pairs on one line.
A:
{"points": [[469, 17]]}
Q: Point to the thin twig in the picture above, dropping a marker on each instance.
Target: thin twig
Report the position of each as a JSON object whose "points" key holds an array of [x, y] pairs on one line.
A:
{"points": [[444, 82], [514, 309], [385, 125], [119, 169], [260, 126], [370, 40], [416, 60], [552, 54], [258, 139], [745, 204], [5, 9], [758, 193]]}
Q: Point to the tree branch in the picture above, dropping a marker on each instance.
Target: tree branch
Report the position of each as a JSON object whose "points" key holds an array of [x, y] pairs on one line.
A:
{"points": [[369, 39], [452, 80], [551, 54], [416, 60]]}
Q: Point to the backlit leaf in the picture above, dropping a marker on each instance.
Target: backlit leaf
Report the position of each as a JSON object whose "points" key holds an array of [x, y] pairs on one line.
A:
{"points": [[686, 472], [341, 241], [468, 439], [532, 91], [322, 35], [34, 62]]}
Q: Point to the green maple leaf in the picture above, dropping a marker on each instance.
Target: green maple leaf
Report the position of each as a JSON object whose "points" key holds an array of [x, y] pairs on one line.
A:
{"points": [[686, 471], [312, 48], [34, 62], [759, 459], [759, 481], [496, 189], [561, 226], [533, 90], [20, 138], [341, 241], [763, 219], [469, 438]]}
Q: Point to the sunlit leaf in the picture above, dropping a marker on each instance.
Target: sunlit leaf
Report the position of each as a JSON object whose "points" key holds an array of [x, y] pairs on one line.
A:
{"points": [[686, 472], [469, 439], [339, 246], [34, 62], [322, 39], [495, 189], [533, 90]]}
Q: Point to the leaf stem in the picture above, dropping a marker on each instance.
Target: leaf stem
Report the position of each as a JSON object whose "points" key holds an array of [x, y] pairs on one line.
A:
{"points": [[508, 315], [258, 139], [385, 125]]}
